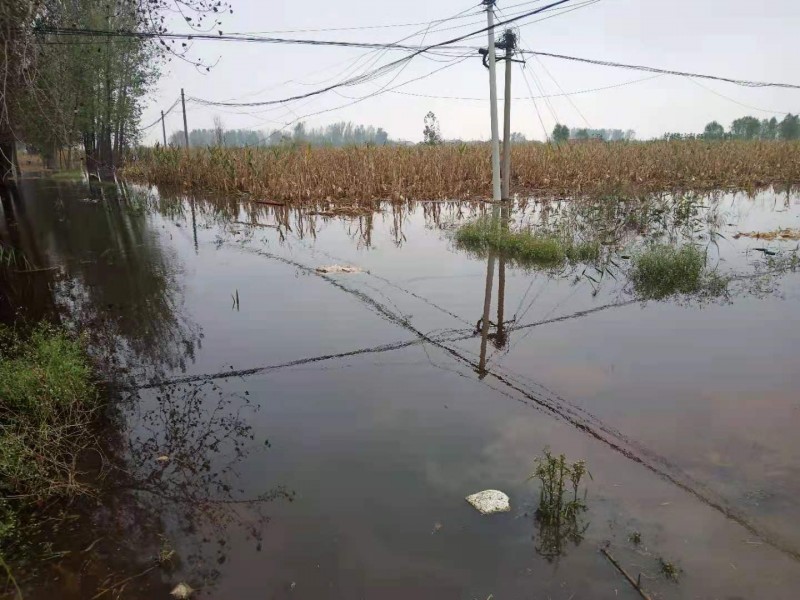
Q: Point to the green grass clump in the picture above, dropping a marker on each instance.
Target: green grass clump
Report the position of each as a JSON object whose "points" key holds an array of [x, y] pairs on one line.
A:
{"points": [[48, 409], [561, 504], [669, 569], [68, 175], [662, 271], [526, 247]]}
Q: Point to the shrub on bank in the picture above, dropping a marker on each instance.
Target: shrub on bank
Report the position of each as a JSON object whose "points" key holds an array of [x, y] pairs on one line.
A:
{"points": [[48, 408]]}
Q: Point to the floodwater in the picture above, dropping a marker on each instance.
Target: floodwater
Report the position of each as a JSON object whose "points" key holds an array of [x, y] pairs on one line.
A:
{"points": [[288, 433]]}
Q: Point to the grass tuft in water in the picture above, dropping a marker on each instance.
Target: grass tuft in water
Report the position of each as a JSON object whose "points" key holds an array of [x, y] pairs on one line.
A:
{"points": [[561, 503], [526, 247], [48, 407], [663, 270], [669, 569]]}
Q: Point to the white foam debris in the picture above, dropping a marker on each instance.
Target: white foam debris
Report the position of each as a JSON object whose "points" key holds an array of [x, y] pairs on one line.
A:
{"points": [[338, 269]]}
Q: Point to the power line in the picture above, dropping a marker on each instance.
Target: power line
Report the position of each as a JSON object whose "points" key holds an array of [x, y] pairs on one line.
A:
{"points": [[574, 93], [234, 37], [385, 68], [539, 85], [536, 106], [606, 63], [357, 27], [380, 91], [567, 96], [729, 99], [158, 120]]}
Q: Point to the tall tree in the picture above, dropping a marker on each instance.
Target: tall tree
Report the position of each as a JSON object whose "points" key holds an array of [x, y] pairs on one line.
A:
{"points": [[219, 131], [769, 129], [789, 127], [560, 133], [431, 134], [714, 131], [63, 88], [746, 128]]}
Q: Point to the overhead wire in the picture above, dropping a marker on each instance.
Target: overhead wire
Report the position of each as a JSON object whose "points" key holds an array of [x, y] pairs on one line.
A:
{"points": [[572, 93], [729, 99], [158, 120], [424, 32], [608, 63], [535, 106], [380, 70], [567, 96], [537, 82], [541, 88], [381, 91]]}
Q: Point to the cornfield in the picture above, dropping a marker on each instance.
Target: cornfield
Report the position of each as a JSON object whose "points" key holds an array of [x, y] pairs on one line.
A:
{"points": [[365, 174]]}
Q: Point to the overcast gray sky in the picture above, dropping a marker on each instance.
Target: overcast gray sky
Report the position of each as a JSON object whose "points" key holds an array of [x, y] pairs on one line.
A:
{"points": [[742, 39]]}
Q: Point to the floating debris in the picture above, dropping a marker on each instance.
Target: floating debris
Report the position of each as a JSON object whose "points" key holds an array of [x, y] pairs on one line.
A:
{"points": [[778, 234], [489, 502], [182, 591], [766, 251], [338, 269], [436, 527]]}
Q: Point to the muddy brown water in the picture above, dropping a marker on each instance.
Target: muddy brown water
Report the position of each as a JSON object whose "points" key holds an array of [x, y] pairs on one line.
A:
{"points": [[317, 438]]}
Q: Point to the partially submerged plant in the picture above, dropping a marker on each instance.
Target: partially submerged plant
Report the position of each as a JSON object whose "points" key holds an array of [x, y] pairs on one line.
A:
{"points": [[528, 247], [357, 174], [166, 553], [560, 502], [664, 270], [669, 569]]}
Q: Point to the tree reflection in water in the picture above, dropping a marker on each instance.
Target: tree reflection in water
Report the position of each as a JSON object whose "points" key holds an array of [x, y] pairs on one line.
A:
{"points": [[185, 443]]}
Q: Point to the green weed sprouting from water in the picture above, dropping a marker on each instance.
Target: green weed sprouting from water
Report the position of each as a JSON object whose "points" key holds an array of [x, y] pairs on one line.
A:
{"points": [[10, 258], [663, 270], [528, 247], [669, 569], [561, 503]]}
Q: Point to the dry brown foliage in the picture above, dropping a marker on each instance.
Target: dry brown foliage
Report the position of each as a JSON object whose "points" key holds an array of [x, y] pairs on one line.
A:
{"points": [[778, 234], [461, 172]]}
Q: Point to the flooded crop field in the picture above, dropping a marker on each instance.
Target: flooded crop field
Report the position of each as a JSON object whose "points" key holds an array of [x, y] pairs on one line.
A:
{"points": [[281, 429]]}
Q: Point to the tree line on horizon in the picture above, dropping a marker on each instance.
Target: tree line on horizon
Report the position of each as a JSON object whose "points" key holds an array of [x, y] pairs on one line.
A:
{"points": [[747, 128], [342, 133]]}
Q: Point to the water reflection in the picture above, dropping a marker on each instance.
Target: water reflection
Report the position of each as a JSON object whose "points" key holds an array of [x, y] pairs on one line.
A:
{"points": [[185, 445], [555, 536], [499, 337], [84, 238]]}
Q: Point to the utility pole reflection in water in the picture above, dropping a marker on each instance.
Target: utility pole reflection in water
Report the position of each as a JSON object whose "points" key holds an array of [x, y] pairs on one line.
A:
{"points": [[194, 225], [500, 218]]}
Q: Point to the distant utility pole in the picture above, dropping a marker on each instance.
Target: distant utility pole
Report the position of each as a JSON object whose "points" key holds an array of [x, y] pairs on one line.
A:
{"points": [[163, 129], [185, 127], [509, 42], [496, 191]]}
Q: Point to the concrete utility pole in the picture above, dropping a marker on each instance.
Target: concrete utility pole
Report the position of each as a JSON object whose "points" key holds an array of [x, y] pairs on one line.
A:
{"points": [[496, 191], [163, 129], [185, 127], [510, 42]]}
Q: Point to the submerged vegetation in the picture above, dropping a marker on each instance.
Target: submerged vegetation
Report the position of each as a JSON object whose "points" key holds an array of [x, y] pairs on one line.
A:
{"points": [[528, 247], [561, 503], [664, 270], [48, 409], [462, 171], [669, 569]]}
